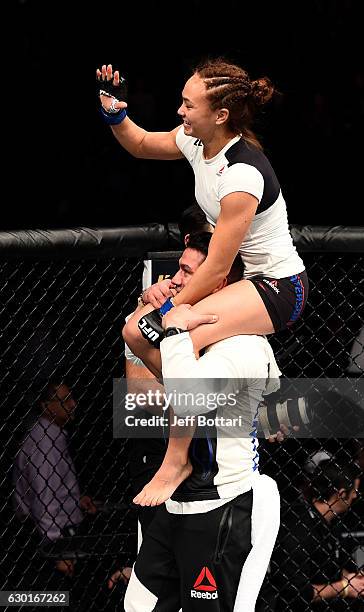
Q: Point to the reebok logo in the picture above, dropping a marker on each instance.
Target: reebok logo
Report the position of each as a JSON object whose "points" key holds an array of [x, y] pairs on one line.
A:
{"points": [[205, 586], [219, 172], [273, 284], [205, 574]]}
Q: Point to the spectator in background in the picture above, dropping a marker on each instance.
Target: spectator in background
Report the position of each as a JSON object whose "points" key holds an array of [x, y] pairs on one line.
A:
{"points": [[307, 567], [315, 459], [44, 477], [356, 363]]}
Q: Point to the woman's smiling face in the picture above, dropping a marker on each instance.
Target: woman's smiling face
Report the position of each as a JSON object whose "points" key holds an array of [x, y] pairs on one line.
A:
{"points": [[198, 118]]}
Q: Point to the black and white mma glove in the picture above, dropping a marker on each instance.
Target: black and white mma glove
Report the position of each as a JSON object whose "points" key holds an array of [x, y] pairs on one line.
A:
{"points": [[151, 327]]}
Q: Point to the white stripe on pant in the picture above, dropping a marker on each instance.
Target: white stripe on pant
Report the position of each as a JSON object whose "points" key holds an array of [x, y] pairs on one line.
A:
{"points": [[265, 527], [138, 598]]}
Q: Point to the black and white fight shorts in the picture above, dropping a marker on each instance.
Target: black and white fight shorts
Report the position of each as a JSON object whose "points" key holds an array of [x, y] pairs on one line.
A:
{"points": [[284, 298]]}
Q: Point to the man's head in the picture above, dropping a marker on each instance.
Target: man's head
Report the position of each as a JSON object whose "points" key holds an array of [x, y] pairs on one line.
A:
{"points": [[195, 254], [57, 403], [333, 488], [193, 220]]}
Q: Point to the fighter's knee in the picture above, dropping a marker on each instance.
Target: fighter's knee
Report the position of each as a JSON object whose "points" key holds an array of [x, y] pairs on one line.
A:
{"points": [[130, 333], [125, 333], [133, 338]]}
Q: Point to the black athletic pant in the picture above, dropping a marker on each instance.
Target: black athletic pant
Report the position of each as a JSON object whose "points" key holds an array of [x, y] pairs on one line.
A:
{"points": [[192, 561]]}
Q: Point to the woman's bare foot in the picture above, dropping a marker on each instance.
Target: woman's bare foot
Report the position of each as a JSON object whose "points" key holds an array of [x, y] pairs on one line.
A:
{"points": [[163, 484]]}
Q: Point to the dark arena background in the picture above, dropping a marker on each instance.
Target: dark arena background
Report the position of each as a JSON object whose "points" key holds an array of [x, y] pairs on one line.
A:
{"points": [[81, 215]]}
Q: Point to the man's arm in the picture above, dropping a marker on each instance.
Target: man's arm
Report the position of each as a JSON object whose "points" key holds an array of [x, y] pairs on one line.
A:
{"points": [[186, 374], [182, 360], [156, 294], [292, 568], [351, 586], [153, 297], [141, 381], [140, 378]]}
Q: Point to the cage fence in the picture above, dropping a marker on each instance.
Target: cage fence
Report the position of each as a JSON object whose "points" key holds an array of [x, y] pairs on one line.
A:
{"points": [[64, 298]]}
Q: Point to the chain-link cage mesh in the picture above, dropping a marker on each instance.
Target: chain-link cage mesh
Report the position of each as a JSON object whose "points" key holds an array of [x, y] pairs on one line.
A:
{"points": [[66, 521]]}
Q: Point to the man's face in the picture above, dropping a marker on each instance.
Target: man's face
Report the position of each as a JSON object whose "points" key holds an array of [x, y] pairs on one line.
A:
{"points": [[342, 503], [189, 262], [61, 406], [353, 494]]}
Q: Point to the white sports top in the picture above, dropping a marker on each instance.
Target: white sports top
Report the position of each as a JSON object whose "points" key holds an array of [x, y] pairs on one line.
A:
{"points": [[267, 248]]}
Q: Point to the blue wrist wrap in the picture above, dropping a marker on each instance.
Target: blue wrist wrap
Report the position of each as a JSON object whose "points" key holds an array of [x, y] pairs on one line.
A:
{"points": [[115, 118], [166, 307]]}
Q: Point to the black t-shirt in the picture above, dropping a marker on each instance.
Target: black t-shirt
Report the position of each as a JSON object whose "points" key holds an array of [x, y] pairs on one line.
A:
{"points": [[307, 553]]}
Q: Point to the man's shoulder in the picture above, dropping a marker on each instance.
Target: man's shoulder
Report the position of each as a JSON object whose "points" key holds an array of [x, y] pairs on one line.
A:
{"points": [[253, 342], [247, 354], [44, 434]]}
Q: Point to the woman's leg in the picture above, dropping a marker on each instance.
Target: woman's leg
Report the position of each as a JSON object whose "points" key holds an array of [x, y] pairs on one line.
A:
{"points": [[176, 467], [241, 311], [239, 306], [139, 345]]}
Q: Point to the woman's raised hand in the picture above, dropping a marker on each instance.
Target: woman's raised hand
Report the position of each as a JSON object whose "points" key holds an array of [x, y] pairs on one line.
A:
{"points": [[111, 88]]}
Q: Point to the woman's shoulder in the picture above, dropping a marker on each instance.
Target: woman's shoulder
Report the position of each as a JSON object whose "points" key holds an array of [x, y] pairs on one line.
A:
{"points": [[246, 153], [246, 160], [188, 145]]}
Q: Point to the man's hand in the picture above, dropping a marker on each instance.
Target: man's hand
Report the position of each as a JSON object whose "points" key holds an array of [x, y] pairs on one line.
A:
{"points": [[87, 504], [120, 575], [158, 293], [66, 567], [356, 584], [283, 433], [183, 317]]}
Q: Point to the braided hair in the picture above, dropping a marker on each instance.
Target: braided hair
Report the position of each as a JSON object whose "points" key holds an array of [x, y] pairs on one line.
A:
{"points": [[229, 86]]}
